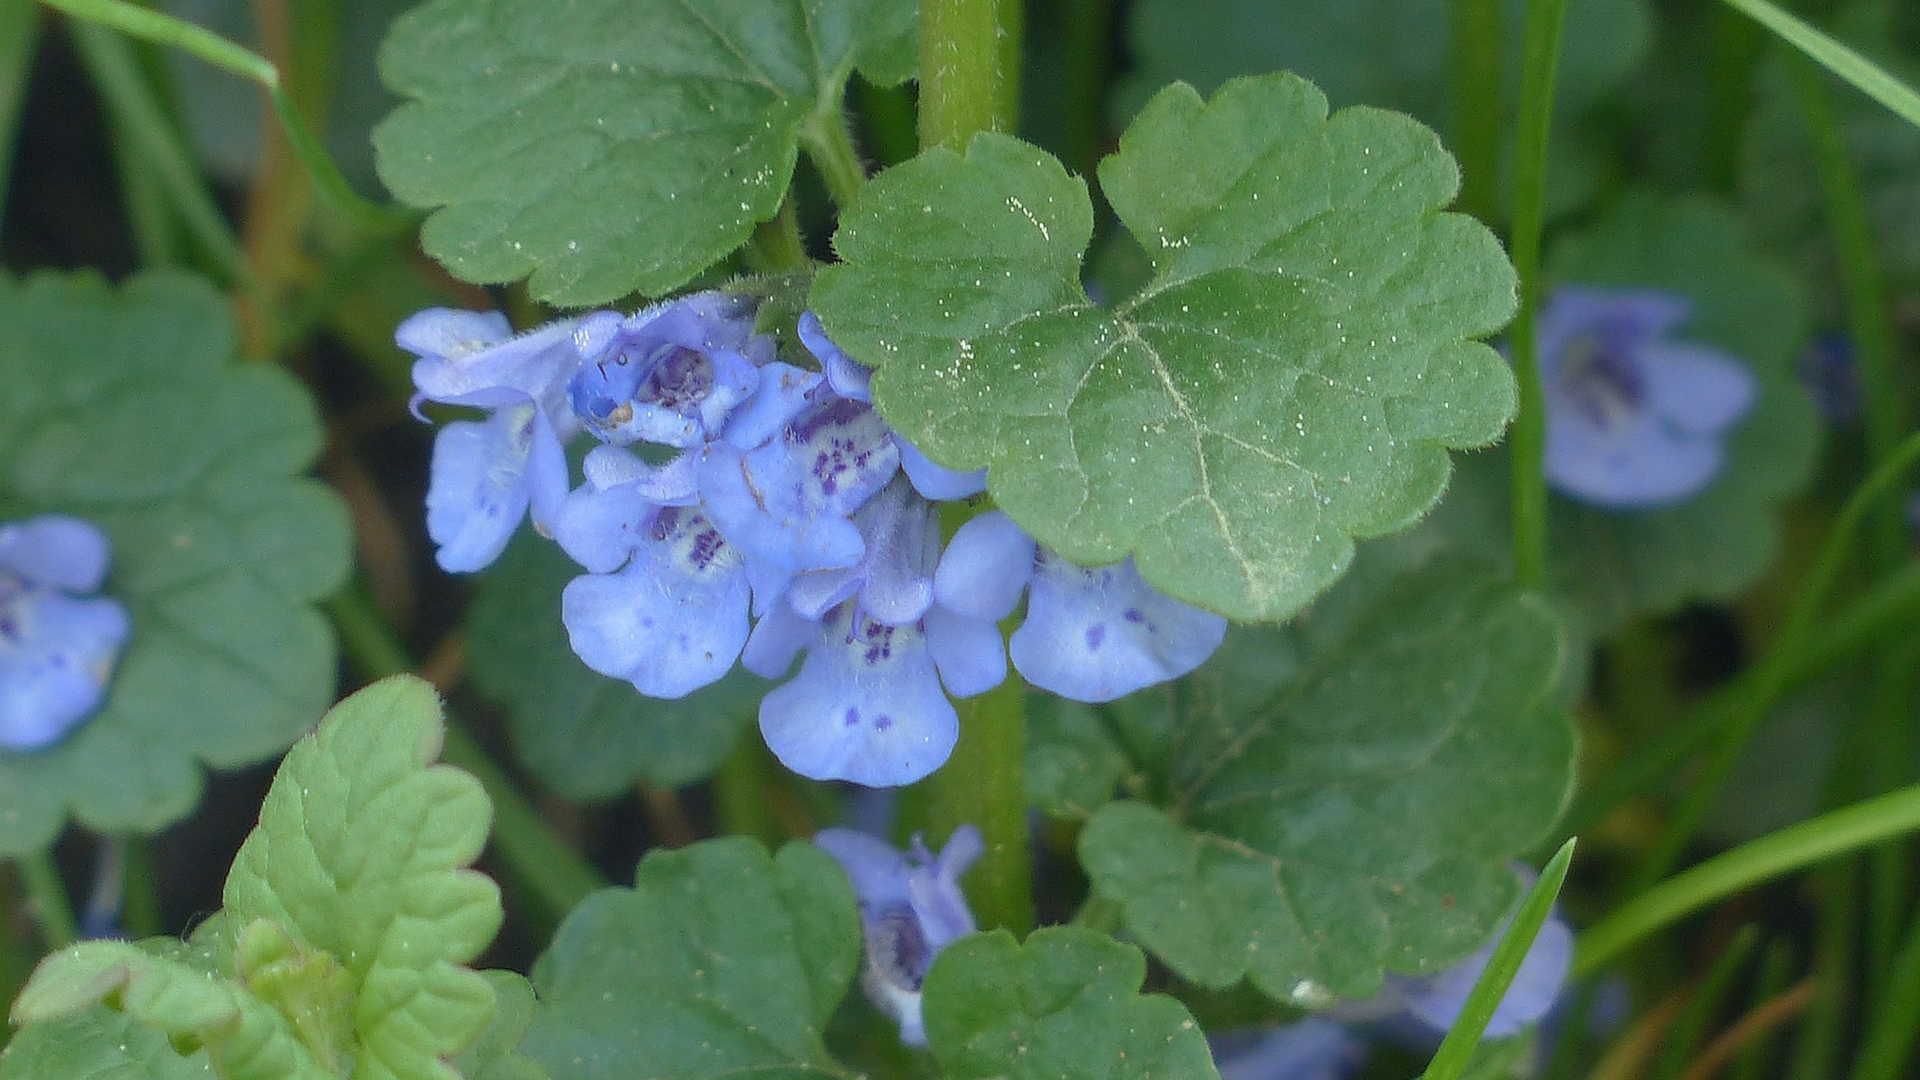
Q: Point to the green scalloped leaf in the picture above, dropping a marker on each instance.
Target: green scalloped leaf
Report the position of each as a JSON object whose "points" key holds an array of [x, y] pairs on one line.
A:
{"points": [[125, 406], [495, 1055], [719, 961], [245, 1038], [1608, 566], [610, 147], [1384, 53], [360, 856], [1289, 380], [1341, 796], [1065, 1005], [583, 734], [98, 1044]]}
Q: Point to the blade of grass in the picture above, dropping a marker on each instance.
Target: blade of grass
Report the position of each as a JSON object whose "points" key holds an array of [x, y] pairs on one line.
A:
{"points": [[162, 29], [1865, 76], [114, 70], [1457, 1048], [1791, 848]]}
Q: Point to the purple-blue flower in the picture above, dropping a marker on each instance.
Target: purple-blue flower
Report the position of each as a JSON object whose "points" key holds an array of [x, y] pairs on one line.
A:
{"points": [[486, 475], [1634, 417], [1312, 1049], [671, 374], [58, 646], [1434, 1001], [911, 907], [1091, 633]]}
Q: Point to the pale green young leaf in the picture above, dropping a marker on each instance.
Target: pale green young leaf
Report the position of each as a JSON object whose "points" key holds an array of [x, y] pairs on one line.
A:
{"points": [[360, 859], [98, 1043], [126, 406], [1342, 797], [1064, 1005], [244, 1037], [720, 961], [612, 147], [1291, 378]]}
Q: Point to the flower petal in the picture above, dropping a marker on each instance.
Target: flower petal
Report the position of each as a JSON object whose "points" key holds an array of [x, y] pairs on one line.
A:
{"points": [[1097, 634], [673, 621], [57, 653], [1695, 389], [937, 482], [968, 652], [866, 706], [57, 551], [985, 568], [477, 487]]}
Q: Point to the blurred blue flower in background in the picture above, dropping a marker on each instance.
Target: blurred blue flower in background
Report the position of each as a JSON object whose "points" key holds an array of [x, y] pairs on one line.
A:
{"points": [[911, 907], [1413, 1010], [58, 646], [1634, 419], [1312, 1049]]}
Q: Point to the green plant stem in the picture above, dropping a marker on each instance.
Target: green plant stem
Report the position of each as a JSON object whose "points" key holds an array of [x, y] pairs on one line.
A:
{"points": [[960, 72], [1865, 76], [1540, 59], [1479, 111], [559, 878], [156, 237], [110, 62], [19, 39], [984, 783], [965, 89], [1087, 27], [1775, 975], [1684, 1037], [140, 911], [1456, 1050], [1770, 680], [1794, 847], [740, 794], [163, 29], [829, 143], [1864, 290], [1892, 605], [47, 900], [776, 246], [1817, 1047], [1891, 1034], [1736, 47]]}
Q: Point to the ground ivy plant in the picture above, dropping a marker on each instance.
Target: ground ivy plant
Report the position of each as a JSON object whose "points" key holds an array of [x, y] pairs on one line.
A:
{"points": [[958, 538]]}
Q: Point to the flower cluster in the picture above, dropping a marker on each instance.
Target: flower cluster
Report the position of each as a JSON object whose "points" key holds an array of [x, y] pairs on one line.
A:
{"points": [[739, 507], [58, 645], [911, 907], [1633, 419]]}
